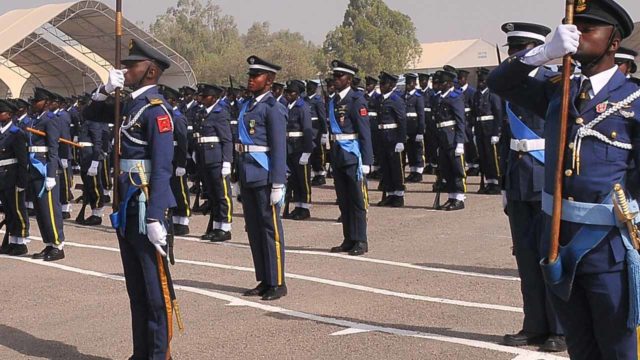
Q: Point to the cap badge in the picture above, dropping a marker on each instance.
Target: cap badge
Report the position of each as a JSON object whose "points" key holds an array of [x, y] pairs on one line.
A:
{"points": [[510, 27], [581, 6], [130, 44]]}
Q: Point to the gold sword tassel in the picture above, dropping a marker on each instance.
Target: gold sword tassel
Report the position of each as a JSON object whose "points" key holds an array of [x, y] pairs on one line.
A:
{"points": [[625, 215]]}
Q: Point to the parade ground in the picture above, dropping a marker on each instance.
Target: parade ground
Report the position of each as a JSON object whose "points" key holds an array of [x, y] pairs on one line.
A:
{"points": [[434, 285]]}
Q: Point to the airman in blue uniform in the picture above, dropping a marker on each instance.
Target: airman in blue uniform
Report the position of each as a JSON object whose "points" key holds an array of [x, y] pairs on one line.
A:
{"points": [[470, 148], [299, 149], [626, 60], [278, 92], [371, 95], [487, 110], [215, 156], [14, 178], [24, 120], [522, 166], [351, 158], [181, 213], [318, 109], [91, 160], [146, 148], [44, 176], [414, 100], [430, 139], [262, 165], [65, 173], [594, 283], [449, 117], [392, 129]]}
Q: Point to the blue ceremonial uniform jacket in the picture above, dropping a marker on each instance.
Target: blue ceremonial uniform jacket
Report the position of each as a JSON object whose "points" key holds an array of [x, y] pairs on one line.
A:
{"points": [[64, 120], [300, 121], [449, 108], [48, 123], [266, 123], [92, 132], [216, 123], [318, 116], [414, 101], [153, 129], [76, 121], [523, 175], [180, 139], [13, 145], [353, 118], [601, 165], [487, 104], [469, 93], [282, 100], [392, 110]]}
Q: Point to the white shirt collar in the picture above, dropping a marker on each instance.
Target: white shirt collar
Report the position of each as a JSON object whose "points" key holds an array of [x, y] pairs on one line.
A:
{"points": [[386, 96], [599, 81], [343, 94], [22, 117], [412, 92], [292, 105], [210, 108], [5, 128], [534, 72], [42, 114], [465, 87], [260, 97], [57, 111], [446, 93], [279, 97], [140, 91], [332, 95], [484, 91], [189, 105]]}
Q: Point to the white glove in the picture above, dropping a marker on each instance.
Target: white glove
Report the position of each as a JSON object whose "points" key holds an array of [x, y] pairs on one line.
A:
{"points": [[459, 149], [324, 139], [19, 189], [64, 163], [495, 140], [504, 200], [366, 169], [180, 171], [304, 158], [93, 169], [226, 168], [565, 40], [116, 80], [277, 194], [157, 236], [399, 147], [49, 183], [419, 138]]}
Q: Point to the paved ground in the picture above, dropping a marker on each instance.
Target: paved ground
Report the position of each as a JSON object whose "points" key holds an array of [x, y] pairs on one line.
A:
{"points": [[435, 285]]}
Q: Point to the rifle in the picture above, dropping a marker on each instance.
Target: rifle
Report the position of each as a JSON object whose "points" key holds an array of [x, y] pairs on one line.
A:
{"points": [[498, 54], [438, 184], [287, 201], [61, 140], [562, 143], [170, 237], [85, 201], [117, 116]]}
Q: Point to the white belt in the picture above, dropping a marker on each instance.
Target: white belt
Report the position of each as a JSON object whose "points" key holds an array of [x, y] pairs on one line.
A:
{"points": [[527, 145], [340, 137], [373, 113], [38, 149], [295, 134], [233, 122], [427, 109], [111, 125], [189, 127], [208, 139], [85, 144], [387, 126], [485, 118], [251, 148], [412, 114], [131, 165], [175, 143], [196, 135], [445, 124], [6, 162], [467, 109], [314, 118]]}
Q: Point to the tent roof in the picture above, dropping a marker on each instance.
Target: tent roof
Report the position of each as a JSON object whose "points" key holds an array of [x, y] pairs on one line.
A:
{"points": [[89, 27], [460, 54]]}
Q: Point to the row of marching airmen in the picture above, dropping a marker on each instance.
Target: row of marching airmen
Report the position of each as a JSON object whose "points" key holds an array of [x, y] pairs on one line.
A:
{"points": [[270, 143]]}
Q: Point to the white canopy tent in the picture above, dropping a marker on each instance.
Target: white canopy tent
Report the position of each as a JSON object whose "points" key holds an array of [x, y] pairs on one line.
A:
{"points": [[69, 47]]}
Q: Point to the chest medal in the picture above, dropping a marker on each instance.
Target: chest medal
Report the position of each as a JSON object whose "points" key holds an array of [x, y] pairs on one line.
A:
{"points": [[252, 127], [602, 107]]}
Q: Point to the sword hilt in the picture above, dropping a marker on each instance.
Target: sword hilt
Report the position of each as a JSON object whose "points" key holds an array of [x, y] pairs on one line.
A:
{"points": [[621, 204], [144, 182]]}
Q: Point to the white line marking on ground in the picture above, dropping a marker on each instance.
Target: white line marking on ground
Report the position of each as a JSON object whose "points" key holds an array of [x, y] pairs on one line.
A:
{"points": [[350, 331], [333, 283], [308, 316], [369, 260]]}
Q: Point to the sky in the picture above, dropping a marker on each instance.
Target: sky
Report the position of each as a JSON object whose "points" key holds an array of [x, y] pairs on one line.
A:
{"points": [[435, 20]]}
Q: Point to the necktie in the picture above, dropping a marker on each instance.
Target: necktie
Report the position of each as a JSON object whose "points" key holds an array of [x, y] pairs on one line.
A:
{"points": [[583, 96]]}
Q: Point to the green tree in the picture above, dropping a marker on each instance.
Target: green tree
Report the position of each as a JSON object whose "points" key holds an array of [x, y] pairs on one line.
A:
{"points": [[374, 37]]}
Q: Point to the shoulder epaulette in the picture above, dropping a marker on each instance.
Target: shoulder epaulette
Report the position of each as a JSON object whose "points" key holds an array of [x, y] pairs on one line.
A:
{"points": [[556, 79], [455, 93], [153, 100], [13, 129], [271, 101]]}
